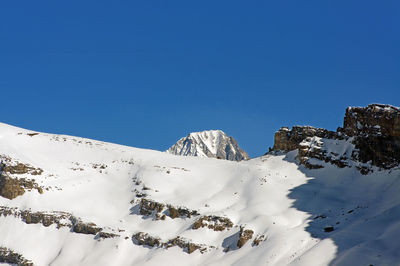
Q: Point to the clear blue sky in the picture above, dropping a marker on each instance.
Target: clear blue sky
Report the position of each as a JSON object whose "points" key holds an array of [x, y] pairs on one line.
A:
{"points": [[145, 73]]}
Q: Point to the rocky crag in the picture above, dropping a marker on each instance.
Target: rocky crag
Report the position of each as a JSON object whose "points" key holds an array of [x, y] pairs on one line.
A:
{"points": [[370, 136], [211, 143]]}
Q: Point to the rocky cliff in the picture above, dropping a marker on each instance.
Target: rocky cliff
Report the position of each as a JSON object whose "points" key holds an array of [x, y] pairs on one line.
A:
{"points": [[370, 135], [211, 143]]}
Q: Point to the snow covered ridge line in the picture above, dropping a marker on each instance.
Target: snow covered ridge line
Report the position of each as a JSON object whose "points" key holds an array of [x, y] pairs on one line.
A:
{"points": [[370, 137], [211, 143]]}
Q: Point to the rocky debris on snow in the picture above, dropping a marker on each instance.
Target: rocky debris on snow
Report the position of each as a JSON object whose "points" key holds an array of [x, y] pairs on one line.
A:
{"points": [[13, 167], [149, 207], [144, 239], [211, 143], [258, 239], [179, 212], [244, 236], [216, 223], [107, 235], [186, 245], [11, 257], [84, 228], [60, 219], [374, 132]]}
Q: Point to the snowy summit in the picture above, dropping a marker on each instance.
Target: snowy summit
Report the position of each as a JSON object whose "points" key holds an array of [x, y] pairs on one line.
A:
{"points": [[210, 143]]}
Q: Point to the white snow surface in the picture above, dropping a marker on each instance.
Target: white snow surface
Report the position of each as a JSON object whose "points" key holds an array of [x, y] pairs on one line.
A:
{"points": [[272, 195]]}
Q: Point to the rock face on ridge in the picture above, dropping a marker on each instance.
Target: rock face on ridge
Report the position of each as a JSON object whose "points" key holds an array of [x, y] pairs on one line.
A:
{"points": [[211, 143], [371, 135]]}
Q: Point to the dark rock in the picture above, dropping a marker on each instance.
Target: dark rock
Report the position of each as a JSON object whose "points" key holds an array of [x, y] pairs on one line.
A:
{"points": [[288, 140], [145, 239], [212, 222], [107, 235], [244, 236], [11, 257], [180, 212], [258, 239], [376, 129], [376, 136], [11, 188], [329, 229], [147, 207]]}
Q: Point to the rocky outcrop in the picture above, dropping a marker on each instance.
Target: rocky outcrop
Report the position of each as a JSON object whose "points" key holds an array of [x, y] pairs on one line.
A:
{"points": [[11, 257], [11, 188], [244, 236], [179, 212], [159, 210], [60, 219], [216, 223], [144, 239], [149, 207], [374, 131], [258, 239], [211, 143], [288, 140]]}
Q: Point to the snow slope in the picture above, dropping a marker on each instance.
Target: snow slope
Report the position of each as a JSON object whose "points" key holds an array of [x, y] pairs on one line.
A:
{"points": [[273, 196]]}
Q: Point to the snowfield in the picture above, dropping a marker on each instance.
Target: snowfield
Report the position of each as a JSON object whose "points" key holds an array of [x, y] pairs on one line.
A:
{"points": [[326, 216]]}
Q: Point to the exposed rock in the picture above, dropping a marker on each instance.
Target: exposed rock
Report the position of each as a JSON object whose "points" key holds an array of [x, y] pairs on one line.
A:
{"points": [[148, 207], [375, 119], [144, 239], [212, 222], [185, 244], [258, 239], [180, 212], [84, 228], [60, 219], [11, 188], [20, 169], [11, 257], [288, 140], [376, 129], [314, 147], [244, 236], [375, 132], [211, 143], [107, 235]]}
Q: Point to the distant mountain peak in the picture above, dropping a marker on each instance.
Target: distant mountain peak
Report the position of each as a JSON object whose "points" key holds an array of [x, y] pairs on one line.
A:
{"points": [[209, 143]]}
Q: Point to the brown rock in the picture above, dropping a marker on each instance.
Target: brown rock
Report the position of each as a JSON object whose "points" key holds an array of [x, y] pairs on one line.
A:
{"points": [[244, 236]]}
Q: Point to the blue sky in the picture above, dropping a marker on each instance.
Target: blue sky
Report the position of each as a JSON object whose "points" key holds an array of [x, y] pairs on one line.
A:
{"points": [[145, 73]]}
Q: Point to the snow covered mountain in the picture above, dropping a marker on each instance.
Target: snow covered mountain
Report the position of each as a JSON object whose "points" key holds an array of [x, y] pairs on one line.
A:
{"points": [[318, 198], [210, 143]]}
